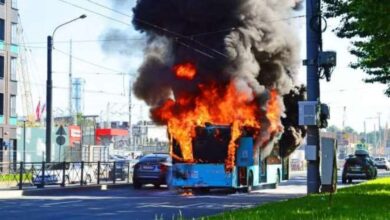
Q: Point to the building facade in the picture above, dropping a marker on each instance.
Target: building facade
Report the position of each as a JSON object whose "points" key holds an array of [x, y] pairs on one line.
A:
{"points": [[8, 80]]}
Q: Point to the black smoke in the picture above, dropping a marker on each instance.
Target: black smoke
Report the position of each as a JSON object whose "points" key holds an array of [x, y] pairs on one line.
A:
{"points": [[248, 42], [293, 134]]}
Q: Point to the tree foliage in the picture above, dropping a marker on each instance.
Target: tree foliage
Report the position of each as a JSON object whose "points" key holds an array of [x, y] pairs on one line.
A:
{"points": [[332, 128], [367, 23]]}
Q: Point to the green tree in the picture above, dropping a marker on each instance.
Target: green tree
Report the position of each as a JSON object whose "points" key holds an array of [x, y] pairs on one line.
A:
{"points": [[350, 130], [333, 128], [367, 24]]}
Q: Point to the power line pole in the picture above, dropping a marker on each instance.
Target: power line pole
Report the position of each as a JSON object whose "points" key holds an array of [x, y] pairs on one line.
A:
{"points": [[313, 42], [70, 83], [130, 109], [49, 98]]}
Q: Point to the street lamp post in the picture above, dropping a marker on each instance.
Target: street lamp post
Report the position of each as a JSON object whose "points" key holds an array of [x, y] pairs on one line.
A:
{"points": [[49, 88]]}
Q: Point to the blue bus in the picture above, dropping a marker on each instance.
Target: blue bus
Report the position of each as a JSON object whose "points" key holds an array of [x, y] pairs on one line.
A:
{"points": [[210, 148]]}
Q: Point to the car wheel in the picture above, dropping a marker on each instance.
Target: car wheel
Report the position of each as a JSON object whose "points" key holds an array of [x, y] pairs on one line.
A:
{"points": [[137, 185], [88, 179], [67, 180]]}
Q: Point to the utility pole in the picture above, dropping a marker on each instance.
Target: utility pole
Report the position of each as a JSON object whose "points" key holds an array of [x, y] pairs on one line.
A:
{"points": [[313, 38], [49, 98], [344, 116], [130, 109], [70, 83], [365, 131]]}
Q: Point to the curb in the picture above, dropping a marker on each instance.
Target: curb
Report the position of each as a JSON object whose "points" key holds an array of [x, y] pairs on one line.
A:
{"points": [[9, 194]]}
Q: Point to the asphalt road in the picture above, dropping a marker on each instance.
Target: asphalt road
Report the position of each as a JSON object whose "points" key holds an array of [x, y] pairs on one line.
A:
{"points": [[147, 203]]}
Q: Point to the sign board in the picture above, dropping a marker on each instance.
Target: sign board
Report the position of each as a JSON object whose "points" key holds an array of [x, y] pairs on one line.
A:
{"points": [[60, 140], [308, 112], [61, 131], [311, 152], [75, 133]]}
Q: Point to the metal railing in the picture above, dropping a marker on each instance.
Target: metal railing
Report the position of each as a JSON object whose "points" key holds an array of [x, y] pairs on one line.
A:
{"points": [[41, 174]]}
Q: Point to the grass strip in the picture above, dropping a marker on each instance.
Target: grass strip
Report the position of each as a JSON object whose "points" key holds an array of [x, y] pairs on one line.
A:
{"points": [[368, 200]]}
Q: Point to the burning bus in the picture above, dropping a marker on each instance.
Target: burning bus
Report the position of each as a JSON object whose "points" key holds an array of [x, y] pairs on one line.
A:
{"points": [[221, 75], [210, 151]]}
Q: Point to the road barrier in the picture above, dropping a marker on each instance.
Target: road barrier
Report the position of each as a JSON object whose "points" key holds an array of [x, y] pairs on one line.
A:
{"points": [[41, 174]]}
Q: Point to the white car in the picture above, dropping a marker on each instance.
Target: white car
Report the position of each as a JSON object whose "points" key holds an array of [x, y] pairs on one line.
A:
{"points": [[382, 163], [54, 174]]}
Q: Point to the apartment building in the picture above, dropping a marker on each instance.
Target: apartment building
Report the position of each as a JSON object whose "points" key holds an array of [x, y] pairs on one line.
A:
{"points": [[8, 81]]}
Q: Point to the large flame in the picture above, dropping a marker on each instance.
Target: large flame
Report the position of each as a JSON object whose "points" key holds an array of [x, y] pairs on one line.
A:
{"points": [[216, 104], [185, 70]]}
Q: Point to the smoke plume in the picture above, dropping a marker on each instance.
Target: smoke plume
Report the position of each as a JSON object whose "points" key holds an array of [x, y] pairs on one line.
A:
{"points": [[248, 42], [293, 134], [122, 42], [117, 41]]}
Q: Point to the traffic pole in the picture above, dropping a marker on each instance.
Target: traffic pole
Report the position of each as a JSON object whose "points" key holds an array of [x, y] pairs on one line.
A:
{"points": [[313, 42], [49, 87]]}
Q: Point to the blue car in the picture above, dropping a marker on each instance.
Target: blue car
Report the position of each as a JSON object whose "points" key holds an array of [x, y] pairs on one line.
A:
{"points": [[152, 169]]}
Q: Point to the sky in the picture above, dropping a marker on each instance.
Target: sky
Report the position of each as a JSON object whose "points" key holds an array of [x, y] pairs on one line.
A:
{"points": [[107, 74]]}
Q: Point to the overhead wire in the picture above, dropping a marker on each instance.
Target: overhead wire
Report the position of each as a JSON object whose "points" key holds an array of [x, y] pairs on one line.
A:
{"points": [[88, 62], [111, 9], [90, 73], [96, 13], [177, 35], [80, 41], [86, 90], [136, 39]]}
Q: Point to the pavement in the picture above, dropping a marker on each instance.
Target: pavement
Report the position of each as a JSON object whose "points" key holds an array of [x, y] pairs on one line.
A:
{"points": [[147, 203], [123, 202]]}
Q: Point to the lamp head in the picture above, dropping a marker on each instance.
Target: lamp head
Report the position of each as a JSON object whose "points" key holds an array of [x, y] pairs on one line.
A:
{"points": [[83, 16]]}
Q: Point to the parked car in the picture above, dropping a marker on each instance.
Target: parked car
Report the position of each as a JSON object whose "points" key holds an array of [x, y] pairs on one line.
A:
{"points": [[53, 174], [152, 169], [358, 166], [121, 171], [382, 163]]}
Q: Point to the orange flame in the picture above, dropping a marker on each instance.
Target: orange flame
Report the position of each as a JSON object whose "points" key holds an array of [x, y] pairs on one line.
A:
{"points": [[217, 105], [274, 112], [185, 70]]}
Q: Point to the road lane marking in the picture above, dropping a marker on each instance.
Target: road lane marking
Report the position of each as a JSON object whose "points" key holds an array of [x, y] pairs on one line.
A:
{"points": [[61, 203]]}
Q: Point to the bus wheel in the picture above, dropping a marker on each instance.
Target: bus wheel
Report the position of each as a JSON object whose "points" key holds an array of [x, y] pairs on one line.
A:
{"points": [[249, 188], [277, 178]]}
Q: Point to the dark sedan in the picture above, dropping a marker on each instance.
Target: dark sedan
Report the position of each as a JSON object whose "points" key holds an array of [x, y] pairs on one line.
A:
{"points": [[359, 166], [152, 169]]}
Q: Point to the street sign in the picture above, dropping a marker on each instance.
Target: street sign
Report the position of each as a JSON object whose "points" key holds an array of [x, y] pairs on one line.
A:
{"points": [[60, 140], [61, 131]]}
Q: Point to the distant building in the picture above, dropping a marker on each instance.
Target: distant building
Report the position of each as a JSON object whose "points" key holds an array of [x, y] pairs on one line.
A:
{"points": [[8, 81], [78, 91], [149, 137]]}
